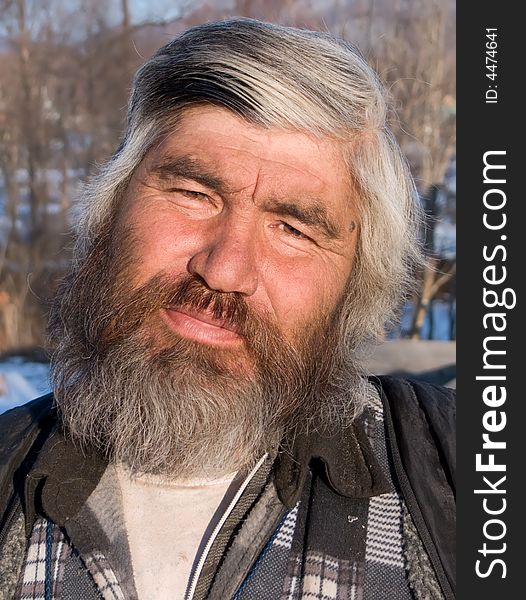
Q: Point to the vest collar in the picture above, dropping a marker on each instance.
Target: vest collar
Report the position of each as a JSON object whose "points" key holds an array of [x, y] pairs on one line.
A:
{"points": [[61, 480], [347, 459]]}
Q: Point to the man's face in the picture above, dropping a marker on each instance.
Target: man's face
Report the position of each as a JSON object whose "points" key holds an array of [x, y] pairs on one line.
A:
{"points": [[206, 318], [266, 214]]}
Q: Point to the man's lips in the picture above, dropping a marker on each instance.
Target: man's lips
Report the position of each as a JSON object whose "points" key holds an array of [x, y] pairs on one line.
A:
{"points": [[200, 326]]}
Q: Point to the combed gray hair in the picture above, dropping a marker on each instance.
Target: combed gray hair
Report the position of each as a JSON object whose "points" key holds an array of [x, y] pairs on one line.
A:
{"points": [[281, 77]]}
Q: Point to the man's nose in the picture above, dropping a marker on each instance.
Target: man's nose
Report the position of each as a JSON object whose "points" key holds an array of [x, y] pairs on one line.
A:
{"points": [[227, 262]]}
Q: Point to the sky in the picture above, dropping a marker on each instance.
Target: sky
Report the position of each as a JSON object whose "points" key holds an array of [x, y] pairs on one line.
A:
{"points": [[142, 10]]}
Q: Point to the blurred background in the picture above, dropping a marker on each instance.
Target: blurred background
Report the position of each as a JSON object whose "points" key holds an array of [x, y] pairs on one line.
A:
{"points": [[65, 72]]}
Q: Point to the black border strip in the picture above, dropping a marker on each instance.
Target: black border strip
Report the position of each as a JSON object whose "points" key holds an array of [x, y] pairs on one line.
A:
{"points": [[484, 127]]}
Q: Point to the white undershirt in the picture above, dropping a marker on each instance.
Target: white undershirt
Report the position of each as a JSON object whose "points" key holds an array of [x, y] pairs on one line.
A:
{"points": [[166, 522]]}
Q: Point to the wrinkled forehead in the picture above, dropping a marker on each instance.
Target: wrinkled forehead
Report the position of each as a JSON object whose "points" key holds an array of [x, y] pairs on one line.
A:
{"points": [[211, 143]]}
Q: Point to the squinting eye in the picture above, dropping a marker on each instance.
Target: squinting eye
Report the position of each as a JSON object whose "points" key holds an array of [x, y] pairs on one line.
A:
{"points": [[293, 231], [191, 194]]}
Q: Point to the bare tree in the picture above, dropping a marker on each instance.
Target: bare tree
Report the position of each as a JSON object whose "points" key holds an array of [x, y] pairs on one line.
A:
{"points": [[415, 56]]}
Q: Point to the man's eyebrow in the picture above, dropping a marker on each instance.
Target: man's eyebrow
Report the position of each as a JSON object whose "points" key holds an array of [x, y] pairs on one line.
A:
{"points": [[187, 167], [314, 215]]}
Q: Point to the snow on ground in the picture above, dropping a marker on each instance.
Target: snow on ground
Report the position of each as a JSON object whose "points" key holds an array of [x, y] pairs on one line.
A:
{"points": [[21, 381], [430, 360]]}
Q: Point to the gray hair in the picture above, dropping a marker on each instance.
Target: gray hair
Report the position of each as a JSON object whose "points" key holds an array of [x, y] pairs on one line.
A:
{"points": [[280, 77]]}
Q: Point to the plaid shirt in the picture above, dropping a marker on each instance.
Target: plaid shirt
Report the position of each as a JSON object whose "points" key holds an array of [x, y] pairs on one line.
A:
{"points": [[51, 561]]}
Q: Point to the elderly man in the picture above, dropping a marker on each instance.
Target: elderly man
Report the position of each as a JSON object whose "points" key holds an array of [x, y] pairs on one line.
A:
{"points": [[212, 432]]}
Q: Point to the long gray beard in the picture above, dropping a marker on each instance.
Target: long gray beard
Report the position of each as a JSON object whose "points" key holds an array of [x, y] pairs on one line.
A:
{"points": [[164, 415], [179, 423]]}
